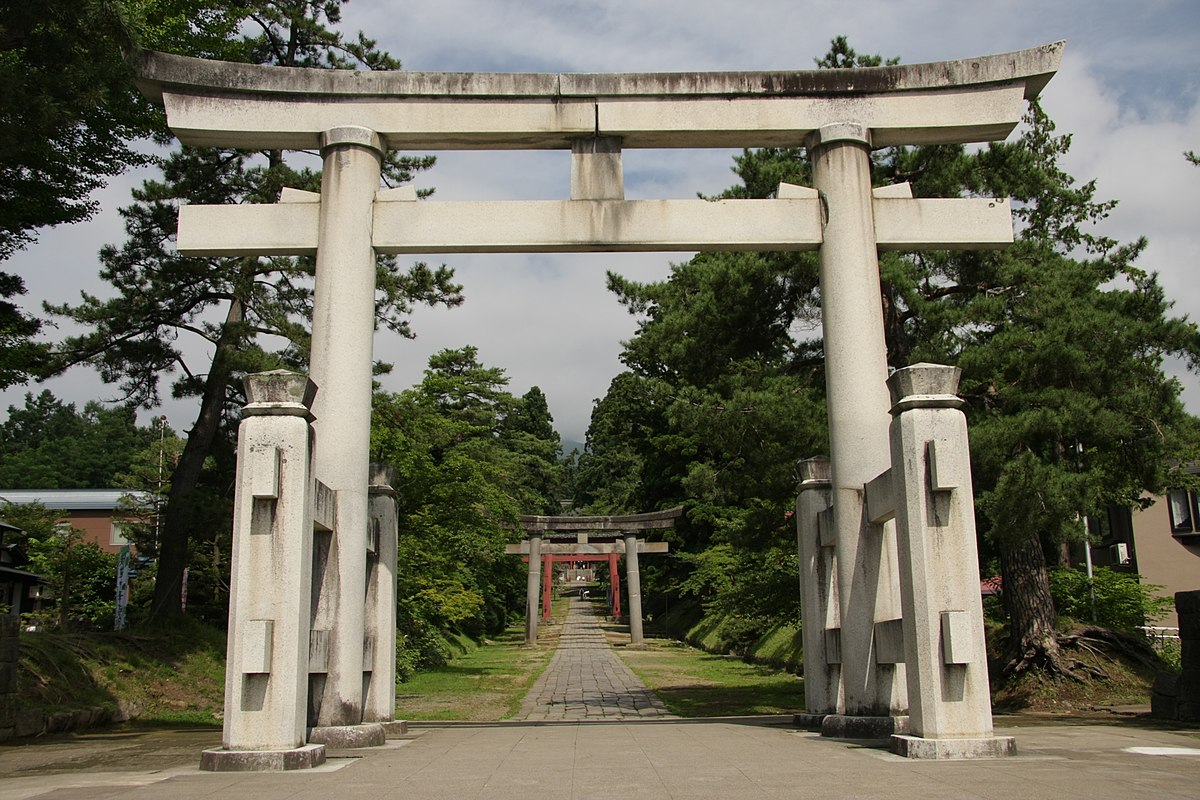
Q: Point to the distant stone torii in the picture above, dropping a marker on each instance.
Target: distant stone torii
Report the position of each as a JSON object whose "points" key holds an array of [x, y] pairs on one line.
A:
{"points": [[620, 535]]}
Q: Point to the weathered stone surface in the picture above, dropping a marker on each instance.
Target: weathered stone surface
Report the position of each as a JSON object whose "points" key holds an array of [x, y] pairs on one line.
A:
{"points": [[587, 548], [394, 729], [29, 722], [945, 653], [815, 469], [266, 673], [342, 363], [219, 103], [1035, 65], [856, 372], [843, 726], [1188, 602], [808, 722], [987, 747], [348, 737], [306, 757], [60, 721], [655, 520], [280, 387], [927, 385], [8, 677]]}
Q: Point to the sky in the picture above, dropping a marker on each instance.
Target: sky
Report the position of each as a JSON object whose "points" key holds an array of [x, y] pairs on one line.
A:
{"points": [[1128, 92]]}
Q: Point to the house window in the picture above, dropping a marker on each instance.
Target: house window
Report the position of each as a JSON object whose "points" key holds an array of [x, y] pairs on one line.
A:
{"points": [[117, 536], [1182, 505]]}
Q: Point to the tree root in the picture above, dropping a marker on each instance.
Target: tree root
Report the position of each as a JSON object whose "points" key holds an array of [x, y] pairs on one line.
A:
{"points": [[1049, 657]]}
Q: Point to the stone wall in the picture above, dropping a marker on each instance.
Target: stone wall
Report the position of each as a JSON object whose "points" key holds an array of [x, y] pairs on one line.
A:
{"points": [[17, 722], [9, 648], [1178, 696]]}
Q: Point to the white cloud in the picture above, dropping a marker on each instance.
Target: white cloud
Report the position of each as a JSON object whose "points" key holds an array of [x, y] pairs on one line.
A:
{"points": [[1128, 91]]}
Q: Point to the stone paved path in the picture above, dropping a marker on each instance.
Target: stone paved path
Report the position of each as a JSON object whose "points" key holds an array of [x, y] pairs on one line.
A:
{"points": [[586, 680]]}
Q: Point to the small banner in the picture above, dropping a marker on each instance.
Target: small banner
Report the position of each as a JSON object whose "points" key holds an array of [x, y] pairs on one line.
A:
{"points": [[124, 565]]}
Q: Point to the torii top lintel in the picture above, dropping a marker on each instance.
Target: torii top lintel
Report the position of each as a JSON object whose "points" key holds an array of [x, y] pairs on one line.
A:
{"points": [[652, 521], [241, 105]]}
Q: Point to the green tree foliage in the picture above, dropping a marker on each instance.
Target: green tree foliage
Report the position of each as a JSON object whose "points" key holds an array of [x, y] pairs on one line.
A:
{"points": [[70, 115], [80, 576], [47, 444], [20, 357], [1122, 602], [470, 456], [1061, 339], [67, 112], [228, 305]]}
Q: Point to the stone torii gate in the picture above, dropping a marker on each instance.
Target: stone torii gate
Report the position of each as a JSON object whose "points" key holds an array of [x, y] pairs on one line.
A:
{"points": [[870, 590], [623, 529]]}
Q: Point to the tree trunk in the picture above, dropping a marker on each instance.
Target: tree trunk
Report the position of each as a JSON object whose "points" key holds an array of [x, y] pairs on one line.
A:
{"points": [[1033, 640], [176, 530]]}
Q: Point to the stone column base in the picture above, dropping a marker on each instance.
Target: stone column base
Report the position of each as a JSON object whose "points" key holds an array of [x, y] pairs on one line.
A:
{"points": [[395, 728], [305, 757], [984, 747], [348, 737], [808, 721], [847, 726]]}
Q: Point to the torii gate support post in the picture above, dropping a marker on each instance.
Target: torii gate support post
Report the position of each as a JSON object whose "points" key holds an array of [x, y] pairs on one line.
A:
{"points": [[874, 697], [633, 579], [342, 361], [266, 674], [379, 697], [532, 587], [944, 647], [818, 587]]}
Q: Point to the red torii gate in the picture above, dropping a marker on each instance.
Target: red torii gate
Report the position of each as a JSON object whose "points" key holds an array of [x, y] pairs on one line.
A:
{"points": [[621, 533], [550, 559]]}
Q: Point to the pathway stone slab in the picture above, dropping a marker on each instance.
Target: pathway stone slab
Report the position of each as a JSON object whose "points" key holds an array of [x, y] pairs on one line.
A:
{"points": [[586, 680]]}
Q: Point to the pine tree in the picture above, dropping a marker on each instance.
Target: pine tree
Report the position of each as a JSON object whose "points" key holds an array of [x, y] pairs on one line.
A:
{"points": [[229, 304]]}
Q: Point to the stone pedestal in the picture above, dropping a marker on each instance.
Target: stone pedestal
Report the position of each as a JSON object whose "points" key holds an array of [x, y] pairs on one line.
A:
{"points": [[266, 679], [379, 676], [818, 595], [944, 651]]}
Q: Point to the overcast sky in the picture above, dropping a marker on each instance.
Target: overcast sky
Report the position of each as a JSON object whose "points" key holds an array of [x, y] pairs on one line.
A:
{"points": [[1128, 90]]}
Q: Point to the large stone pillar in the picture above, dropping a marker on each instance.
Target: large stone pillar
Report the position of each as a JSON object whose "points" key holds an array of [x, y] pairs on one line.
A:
{"points": [[818, 595], [944, 650], [379, 676], [633, 579], [266, 668], [343, 333], [532, 587], [856, 373]]}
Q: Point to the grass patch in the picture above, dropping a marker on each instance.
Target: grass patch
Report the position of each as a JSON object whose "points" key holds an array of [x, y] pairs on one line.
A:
{"points": [[484, 684], [171, 673], [693, 683]]}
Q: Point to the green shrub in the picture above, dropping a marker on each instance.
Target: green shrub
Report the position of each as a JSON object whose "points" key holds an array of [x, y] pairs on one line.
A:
{"points": [[1123, 602]]}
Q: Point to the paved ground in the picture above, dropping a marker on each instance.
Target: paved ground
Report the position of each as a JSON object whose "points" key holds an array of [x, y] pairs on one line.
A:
{"points": [[586, 680], [592, 755]]}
